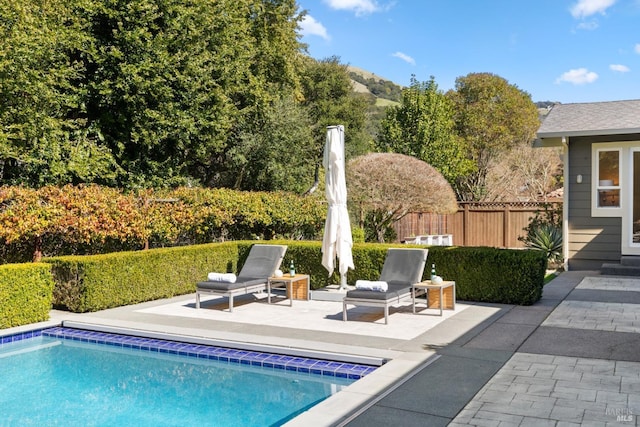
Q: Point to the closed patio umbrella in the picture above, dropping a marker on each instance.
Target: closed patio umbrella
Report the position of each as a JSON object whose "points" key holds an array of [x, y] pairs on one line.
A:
{"points": [[337, 240]]}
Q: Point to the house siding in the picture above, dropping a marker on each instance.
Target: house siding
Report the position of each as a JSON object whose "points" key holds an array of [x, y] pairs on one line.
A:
{"points": [[591, 240]]}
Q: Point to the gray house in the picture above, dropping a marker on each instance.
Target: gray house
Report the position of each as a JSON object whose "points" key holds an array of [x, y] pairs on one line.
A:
{"points": [[601, 143]]}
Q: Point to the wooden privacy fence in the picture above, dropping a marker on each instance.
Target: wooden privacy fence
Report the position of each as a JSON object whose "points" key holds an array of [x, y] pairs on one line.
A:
{"points": [[494, 224]]}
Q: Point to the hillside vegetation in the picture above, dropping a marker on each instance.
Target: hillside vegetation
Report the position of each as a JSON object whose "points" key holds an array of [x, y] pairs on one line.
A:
{"points": [[367, 82]]}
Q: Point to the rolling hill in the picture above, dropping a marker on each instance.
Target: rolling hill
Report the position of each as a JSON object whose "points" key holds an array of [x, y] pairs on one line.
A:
{"points": [[385, 91]]}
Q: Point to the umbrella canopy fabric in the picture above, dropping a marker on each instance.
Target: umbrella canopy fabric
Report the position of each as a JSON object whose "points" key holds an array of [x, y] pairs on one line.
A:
{"points": [[337, 240]]}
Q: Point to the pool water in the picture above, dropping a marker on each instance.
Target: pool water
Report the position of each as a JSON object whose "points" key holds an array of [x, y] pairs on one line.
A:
{"points": [[48, 380]]}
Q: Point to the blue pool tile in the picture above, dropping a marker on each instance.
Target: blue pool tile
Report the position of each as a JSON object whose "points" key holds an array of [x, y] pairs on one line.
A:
{"points": [[8, 339], [259, 356], [245, 357]]}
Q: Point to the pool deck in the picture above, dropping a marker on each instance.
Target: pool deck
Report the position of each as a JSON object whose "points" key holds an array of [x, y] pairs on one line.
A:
{"points": [[573, 358]]}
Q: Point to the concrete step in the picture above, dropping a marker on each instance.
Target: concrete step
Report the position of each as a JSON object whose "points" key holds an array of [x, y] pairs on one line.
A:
{"points": [[614, 269], [630, 260]]}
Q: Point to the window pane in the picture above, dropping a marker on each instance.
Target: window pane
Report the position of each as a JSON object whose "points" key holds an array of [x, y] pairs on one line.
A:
{"points": [[609, 198], [608, 167]]}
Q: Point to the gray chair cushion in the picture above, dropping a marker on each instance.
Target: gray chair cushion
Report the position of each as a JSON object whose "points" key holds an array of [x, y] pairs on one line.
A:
{"points": [[240, 283], [394, 291]]}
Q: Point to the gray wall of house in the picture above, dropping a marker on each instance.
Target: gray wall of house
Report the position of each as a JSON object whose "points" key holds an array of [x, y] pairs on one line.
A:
{"points": [[591, 241]]}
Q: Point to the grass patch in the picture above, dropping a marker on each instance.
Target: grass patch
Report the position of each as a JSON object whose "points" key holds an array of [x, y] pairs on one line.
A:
{"points": [[550, 276]]}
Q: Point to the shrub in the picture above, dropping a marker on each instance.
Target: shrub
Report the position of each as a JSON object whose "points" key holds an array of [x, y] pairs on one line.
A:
{"points": [[86, 220], [97, 282], [25, 294], [507, 276], [548, 239], [544, 233], [90, 283]]}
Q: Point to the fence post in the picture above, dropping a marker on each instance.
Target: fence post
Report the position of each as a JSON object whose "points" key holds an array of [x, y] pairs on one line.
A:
{"points": [[506, 221], [465, 225]]}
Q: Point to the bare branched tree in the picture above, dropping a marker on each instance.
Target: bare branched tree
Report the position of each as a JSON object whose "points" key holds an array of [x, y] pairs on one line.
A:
{"points": [[393, 185], [524, 173]]}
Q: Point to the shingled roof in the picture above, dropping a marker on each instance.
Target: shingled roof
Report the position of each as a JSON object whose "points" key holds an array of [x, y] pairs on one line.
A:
{"points": [[593, 118]]}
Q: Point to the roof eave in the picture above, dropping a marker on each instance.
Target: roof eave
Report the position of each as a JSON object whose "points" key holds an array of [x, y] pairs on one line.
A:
{"points": [[547, 142], [554, 139]]}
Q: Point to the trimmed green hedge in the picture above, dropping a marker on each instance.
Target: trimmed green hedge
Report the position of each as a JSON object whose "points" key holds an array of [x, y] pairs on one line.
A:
{"points": [[307, 256], [97, 282], [25, 294], [507, 276]]}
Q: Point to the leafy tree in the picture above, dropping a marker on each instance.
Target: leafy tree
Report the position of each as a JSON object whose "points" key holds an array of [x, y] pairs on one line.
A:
{"points": [[275, 153], [161, 84], [423, 127], [138, 92], [44, 133], [491, 116], [330, 100]]}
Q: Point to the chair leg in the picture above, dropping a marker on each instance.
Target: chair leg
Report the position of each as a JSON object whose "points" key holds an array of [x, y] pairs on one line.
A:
{"points": [[230, 303], [386, 314], [344, 311], [197, 299]]}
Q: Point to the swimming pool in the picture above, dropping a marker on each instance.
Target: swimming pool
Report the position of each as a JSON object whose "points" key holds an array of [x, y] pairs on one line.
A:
{"points": [[65, 376]]}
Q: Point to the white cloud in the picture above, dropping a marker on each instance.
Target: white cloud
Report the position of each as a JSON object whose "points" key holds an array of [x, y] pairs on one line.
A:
{"points": [[619, 68], [360, 7], [310, 27], [637, 48], [588, 26], [404, 57], [578, 76], [584, 8]]}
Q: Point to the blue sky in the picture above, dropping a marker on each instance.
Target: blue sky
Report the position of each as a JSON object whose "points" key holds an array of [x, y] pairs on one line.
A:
{"points": [[556, 50]]}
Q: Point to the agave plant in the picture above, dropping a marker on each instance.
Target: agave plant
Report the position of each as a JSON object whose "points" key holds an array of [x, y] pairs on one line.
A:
{"points": [[546, 238]]}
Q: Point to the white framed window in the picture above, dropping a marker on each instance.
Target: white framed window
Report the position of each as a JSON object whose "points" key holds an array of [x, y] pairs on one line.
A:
{"points": [[608, 183], [606, 180]]}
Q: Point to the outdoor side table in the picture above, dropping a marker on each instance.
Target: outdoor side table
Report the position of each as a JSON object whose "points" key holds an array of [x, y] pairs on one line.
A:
{"points": [[297, 286], [442, 295]]}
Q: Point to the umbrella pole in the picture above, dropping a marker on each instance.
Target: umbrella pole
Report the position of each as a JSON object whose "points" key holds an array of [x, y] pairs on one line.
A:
{"points": [[343, 281]]}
